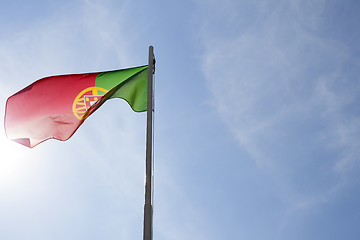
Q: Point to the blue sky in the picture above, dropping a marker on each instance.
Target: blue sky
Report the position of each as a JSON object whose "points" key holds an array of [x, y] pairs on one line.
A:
{"points": [[257, 122]]}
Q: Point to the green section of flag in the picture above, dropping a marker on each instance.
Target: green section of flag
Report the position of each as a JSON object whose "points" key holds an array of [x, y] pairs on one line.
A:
{"points": [[129, 84]]}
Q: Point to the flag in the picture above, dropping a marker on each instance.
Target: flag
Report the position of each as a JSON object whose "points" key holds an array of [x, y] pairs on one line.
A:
{"points": [[56, 106]]}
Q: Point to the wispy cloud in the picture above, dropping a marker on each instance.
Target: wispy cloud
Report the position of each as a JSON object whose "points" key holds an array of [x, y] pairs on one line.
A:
{"points": [[279, 85]]}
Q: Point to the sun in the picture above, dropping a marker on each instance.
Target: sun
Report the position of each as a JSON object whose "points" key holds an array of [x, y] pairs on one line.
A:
{"points": [[14, 159]]}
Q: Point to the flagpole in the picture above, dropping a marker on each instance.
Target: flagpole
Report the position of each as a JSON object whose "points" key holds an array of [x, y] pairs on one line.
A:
{"points": [[148, 211]]}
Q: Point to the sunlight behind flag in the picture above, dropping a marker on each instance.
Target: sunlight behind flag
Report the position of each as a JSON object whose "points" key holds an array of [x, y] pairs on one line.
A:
{"points": [[55, 107]]}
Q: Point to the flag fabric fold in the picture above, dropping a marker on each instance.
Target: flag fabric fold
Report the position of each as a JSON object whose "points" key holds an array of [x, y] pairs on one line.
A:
{"points": [[56, 106]]}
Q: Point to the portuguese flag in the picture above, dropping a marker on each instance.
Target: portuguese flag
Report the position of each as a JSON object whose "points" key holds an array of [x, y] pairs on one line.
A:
{"points": [[55, 107]]}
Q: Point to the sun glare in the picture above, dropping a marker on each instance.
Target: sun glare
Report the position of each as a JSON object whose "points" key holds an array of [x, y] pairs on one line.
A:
{"points": [[14, 161]]}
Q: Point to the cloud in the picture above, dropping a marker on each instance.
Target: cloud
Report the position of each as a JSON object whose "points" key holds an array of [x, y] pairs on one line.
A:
{"points": [[283, 90], [88, 36]]}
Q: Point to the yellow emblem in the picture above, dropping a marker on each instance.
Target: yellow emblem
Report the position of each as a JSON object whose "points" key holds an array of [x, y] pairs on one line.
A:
{"points": [[85, 99]]}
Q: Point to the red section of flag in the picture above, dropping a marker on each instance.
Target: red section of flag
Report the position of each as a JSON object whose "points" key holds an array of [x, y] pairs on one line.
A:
{"points": [[43, 110]]}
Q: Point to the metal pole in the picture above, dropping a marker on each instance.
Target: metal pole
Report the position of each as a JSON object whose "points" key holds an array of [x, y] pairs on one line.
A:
{"points": [[148, 171]]}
